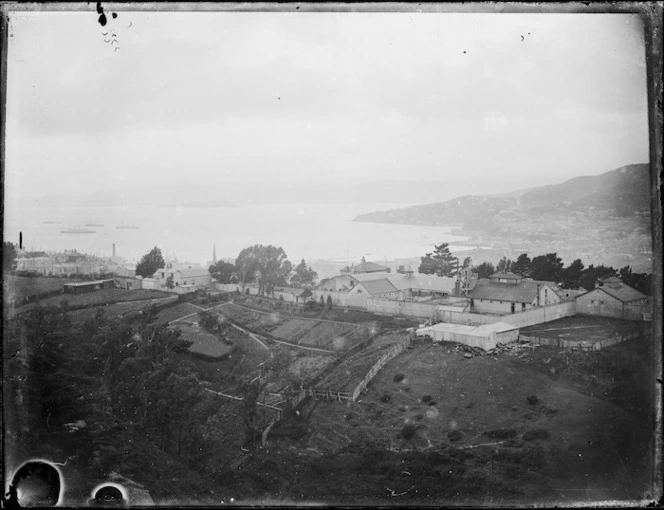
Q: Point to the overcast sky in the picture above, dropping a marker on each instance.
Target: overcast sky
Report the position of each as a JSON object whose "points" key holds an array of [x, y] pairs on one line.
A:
{"points": [[202, 98]]}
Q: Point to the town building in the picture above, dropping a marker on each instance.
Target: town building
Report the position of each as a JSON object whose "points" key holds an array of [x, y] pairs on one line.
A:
{"points": [[181, 279], [365, 267], [81, 287], [613, 298], [504, 293]]}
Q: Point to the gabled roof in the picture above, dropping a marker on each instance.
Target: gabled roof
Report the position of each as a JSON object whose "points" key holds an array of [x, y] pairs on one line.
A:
{"points": [[623, 293], [506, 276], [377, 287], [363, 277], [524, 292], [365, 267], [194, 272]]}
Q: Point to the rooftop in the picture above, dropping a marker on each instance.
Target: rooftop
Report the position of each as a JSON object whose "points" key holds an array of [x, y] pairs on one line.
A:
{"points": [[506, 276], [376, 287], [524, 292], [623, 293]]}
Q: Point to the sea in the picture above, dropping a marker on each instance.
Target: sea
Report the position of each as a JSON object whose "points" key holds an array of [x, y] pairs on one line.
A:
{"points": [[315, 232]]}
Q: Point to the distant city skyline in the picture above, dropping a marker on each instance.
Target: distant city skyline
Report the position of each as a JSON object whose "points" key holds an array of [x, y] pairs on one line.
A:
{"points": [[195, 100]]}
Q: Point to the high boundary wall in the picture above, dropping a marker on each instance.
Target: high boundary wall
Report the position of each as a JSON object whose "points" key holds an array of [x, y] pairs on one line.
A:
{"points": [[521, 319], [401, 308]]}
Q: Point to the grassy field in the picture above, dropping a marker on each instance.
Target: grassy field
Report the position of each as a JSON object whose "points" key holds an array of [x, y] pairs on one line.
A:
{"points": [[525, 425]]}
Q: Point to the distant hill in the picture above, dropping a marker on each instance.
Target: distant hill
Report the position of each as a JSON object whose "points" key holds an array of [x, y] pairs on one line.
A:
{"points": [[622, 192]]}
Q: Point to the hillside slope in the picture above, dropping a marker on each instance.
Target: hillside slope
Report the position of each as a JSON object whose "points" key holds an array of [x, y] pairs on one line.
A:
{"points": [[622, 192]]}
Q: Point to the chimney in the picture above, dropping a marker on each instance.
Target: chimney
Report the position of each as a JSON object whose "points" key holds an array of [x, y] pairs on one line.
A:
{"points": [[113, 250]]}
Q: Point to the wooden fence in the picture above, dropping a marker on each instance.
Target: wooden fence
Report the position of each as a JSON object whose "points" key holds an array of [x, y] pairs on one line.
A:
{"points": [[583, 345], [382, 361]]}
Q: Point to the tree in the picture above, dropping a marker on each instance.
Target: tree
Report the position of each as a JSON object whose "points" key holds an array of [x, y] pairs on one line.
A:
{"points": [[169, 282], [546, 267], [504, 265], [521, 266], [303, 275], [8, 257], [150, 263], [639, 281], [467, 263], [329, 302], [592, 273], [222, 272], [440, 262], [246, 264], [484, 270], [570, 276]]}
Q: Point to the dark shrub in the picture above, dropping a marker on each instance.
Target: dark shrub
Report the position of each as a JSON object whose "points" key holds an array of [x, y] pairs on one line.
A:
{"points": [[454, 435], [386, 397], [432, 402], [535, 435], [419, 416], [408, 431], [407, 388], [312, 306], [532, 400], [501, 433], [399, 377], [426, 398]]}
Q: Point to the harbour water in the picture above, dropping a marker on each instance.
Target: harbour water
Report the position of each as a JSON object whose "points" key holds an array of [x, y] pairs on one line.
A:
{"points": [[312, 232]]}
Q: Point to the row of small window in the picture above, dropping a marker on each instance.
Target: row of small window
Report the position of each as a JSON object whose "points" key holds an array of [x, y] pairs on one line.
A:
{"points": [[592, 302]]}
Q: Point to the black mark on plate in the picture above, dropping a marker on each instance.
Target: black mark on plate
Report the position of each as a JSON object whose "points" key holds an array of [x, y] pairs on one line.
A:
{"points": [[36, 483]]}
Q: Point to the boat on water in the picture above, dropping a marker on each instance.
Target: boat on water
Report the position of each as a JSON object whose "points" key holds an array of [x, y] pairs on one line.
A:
{"points": [[127, 227], [94, 225], [77, 230]]}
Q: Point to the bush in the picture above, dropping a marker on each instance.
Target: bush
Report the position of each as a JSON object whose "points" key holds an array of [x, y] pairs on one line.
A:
{"points": [[312, 306], [454, 435], [399, 377], [432, 402], [386, 397], [419, 416], [532, 400], [408, 431], [535, 435], [426, 398]]}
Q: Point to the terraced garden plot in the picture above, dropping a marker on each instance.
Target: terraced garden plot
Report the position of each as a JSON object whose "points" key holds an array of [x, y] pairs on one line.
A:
{"points": [[176, 312], [203, 342], [352, 371], [332, 336]]}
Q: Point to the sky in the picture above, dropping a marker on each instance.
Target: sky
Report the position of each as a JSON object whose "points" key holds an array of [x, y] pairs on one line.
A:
{"points": [[193, 100]]}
